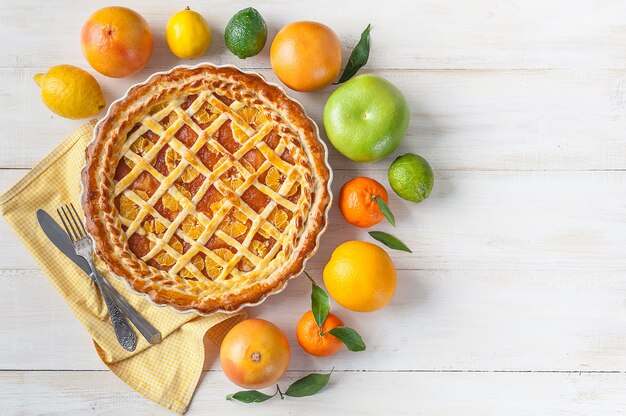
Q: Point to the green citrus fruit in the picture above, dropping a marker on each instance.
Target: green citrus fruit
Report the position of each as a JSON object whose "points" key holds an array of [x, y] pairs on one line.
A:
{"points": [[366, 118], [245, 33], [411, 177]]}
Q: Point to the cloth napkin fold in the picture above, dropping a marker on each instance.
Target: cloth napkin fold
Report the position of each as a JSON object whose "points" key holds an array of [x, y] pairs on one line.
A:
{"points": [[166, 373]]}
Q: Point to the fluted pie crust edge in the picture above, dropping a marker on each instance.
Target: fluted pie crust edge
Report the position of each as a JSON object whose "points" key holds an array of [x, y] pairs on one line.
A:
{"points": [[102, 156]]}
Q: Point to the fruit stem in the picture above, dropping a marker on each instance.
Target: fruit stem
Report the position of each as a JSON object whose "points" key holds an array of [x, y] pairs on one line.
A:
{"points": [[256, 356], [187, 8], [310, 278], [279, 392]]}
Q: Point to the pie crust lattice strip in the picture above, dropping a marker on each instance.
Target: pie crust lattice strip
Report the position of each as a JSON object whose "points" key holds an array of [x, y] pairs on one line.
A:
{"points": [[206, 188]]}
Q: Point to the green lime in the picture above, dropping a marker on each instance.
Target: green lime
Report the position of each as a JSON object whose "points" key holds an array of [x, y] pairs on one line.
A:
{"points": [[245, 33], [411, 177]]}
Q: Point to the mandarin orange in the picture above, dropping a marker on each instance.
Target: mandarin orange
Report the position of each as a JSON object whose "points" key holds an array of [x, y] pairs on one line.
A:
{"points": [[315, 341], [357, 201]]}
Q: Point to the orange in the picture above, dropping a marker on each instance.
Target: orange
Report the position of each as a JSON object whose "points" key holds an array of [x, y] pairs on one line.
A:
{"points": [[314, 341], [357, 203], [255, 354], [116, 41], [306, 56], [360, 276]]}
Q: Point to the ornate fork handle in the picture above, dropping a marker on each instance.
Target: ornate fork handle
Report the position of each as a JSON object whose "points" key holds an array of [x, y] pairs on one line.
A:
{"points": [[125, 335], [149, 332]]}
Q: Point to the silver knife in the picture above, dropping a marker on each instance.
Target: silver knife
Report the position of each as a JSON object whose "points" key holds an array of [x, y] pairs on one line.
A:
{"points": [[59, 238]]}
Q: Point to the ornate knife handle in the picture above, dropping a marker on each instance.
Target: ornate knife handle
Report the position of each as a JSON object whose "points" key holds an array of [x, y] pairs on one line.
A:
{"points": [[124, 333]]}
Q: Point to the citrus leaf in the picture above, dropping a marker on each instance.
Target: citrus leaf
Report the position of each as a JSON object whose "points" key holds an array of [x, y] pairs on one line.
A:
{"points": [[320, 304], [308, 385], [349, 337], [249, 396], [384, 208], [389, 240], [358, 57]]}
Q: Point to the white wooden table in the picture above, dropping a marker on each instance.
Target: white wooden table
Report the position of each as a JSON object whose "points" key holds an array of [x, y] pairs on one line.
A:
{"points": [[514, 300]]}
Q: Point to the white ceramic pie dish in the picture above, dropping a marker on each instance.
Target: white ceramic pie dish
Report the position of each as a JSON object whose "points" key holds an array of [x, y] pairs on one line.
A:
{"points": [[319, 235]]}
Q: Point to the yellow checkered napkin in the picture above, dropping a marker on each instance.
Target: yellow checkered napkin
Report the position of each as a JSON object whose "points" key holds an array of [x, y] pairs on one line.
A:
{"points": [[167, 372]]}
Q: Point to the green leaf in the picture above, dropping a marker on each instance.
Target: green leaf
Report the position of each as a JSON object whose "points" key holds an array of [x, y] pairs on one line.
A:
{"points": [[389, 240], [382, 205], [358, 57], [308, 385], [348, 336], [249, 396], [320, 304]]}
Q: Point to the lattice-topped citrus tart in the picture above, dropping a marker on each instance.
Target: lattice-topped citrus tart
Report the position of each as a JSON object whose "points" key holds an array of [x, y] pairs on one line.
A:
{"points": [[206, 188]]}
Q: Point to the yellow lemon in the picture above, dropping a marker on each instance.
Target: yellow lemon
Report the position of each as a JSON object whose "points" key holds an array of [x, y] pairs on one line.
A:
{"points": [[70, 92], [360, 276], [188, 34]]}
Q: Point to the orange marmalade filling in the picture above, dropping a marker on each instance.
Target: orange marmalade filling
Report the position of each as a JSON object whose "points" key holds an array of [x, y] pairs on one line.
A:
{"points": [[234, 224]]}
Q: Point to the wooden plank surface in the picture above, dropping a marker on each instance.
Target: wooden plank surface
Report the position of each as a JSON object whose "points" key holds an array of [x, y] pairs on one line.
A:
{"points": [[461, 320], [460, 120], [407, 34], [363, 393], [512, 220], [514, 299]]}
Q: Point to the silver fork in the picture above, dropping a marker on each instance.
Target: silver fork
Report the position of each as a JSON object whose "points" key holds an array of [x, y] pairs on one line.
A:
{"points": [[84, 248]]}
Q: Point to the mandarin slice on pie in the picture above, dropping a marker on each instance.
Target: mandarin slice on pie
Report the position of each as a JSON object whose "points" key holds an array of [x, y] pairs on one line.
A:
{"points": [[206, 188]]}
